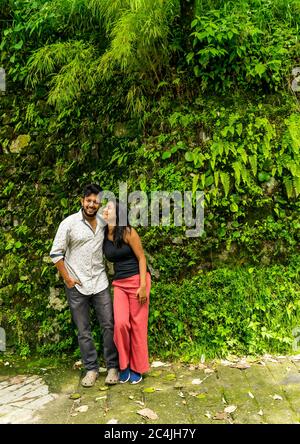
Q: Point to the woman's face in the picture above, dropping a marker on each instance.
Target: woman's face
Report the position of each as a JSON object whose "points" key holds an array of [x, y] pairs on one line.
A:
{"points": [[109, 213]]}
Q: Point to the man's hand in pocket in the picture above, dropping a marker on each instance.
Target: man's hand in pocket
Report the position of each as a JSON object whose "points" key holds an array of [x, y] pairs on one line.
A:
{"points": [[70, 282]]}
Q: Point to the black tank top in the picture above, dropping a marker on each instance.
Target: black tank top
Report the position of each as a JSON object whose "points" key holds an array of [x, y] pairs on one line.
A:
{"points": [[124, 260]]}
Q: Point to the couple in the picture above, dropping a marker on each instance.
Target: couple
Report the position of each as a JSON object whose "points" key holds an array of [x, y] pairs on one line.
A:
{"points": [[77, 252]]}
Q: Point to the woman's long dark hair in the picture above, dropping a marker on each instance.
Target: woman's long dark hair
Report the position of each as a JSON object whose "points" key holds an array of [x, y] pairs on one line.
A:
{"points": [[119, 230]]}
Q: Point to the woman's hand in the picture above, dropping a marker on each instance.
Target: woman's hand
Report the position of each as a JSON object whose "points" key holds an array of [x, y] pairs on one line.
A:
{"points": [[141, 294]]}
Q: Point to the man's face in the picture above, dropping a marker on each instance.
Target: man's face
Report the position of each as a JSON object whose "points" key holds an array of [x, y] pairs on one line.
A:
{"points": [[90, 205]]}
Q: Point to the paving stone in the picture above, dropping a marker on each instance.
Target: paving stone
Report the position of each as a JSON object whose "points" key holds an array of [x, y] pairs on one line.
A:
{"points": [[288, 381], [55, 412], [29, 399], [235, 390], [20, 397], [17, 417], [5, 409], [263, 387], [210, 400], [40, 402]]}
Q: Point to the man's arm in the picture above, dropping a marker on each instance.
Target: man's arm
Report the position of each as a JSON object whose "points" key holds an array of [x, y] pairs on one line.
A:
{"points": [[58, 251]]}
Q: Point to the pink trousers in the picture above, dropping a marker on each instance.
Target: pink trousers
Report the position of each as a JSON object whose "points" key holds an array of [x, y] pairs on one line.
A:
{"points": [[131, 323]]}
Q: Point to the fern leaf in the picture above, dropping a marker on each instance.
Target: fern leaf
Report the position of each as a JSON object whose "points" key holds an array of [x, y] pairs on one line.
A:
{"points": [[237, 172], [225, 179], [216, 176], [296, 182], [245, 175], [253, 163], [288, 186], [243, 154]]}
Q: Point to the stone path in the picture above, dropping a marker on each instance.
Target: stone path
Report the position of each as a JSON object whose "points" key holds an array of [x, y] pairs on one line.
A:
{"points": [[242, 391], [21, 397]]}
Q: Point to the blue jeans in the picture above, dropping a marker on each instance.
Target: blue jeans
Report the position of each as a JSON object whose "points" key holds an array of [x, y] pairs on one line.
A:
{"points": [[80, 309]]}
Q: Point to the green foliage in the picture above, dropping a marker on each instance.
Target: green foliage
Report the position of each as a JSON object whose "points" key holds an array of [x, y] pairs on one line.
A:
{"points": [[243, 44], [102, 91], [135, 35], [245, 310]]}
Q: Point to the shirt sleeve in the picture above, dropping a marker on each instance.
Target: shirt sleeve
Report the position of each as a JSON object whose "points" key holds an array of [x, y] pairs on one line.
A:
{"points": [[60, 242]]}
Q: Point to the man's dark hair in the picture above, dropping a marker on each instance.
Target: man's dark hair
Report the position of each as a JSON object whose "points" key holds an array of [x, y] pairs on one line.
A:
{"points": [[91, 188]]}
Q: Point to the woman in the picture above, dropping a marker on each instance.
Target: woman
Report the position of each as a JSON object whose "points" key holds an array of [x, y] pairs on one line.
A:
{"points": [[132, 282]]}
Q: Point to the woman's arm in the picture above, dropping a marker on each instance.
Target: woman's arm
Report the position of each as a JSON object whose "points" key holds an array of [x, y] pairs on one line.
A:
{"points": [[134, 240]]}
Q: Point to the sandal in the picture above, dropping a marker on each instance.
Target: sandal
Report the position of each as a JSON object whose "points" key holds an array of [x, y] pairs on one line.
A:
{"points": [[112, 376], [90, 378]]}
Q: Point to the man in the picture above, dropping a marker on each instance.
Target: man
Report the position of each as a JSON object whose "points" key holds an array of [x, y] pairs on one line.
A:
{"points": [[77, 254]]}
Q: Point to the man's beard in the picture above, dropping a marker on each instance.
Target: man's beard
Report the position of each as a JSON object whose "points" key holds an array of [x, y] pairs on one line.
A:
{"points": [[87, 214]]}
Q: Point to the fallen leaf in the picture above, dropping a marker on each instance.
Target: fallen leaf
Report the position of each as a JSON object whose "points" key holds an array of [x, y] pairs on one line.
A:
{"points": [[170, 377], [184, 402], [179, 385], [260, 413], [251, 395], [100, 397], [147, 413], [269, 358], [232, 358], [220, 416], [155, 374], [131, 397], [112, 421], [82, 409], [277, 397], [103, 388], [75, 396], [74, 414], [209, 371], [230, 409], [197, 381], [159, 364], [149, 390], [77, 365], [252, 359], [181, 394], [241, 365], [225, 362], [208, 414], [201, 396], [192, 367], [224, 401], [201, 366], [140, 403]]}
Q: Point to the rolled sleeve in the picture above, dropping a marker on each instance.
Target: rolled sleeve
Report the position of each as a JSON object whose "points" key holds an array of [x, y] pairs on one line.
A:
{"points": [[60, 242]]}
